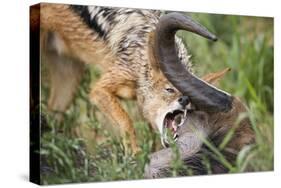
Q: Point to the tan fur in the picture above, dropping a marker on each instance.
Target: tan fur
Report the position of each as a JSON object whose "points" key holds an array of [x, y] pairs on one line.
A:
{"points": [[79, 44], [74, 40], [223, 122], [75, 44], [243, 133], [213, 78], [200, 125]]}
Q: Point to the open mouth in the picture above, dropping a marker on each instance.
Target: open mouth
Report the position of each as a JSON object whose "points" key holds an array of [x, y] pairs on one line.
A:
{"points": [[172, 121]]}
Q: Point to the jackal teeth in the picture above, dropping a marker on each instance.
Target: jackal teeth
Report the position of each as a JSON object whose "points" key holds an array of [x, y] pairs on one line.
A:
{"points": [[175, 137]]}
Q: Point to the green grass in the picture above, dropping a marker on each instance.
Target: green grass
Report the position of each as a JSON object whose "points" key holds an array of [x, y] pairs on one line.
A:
{"points": [[245, 45]]}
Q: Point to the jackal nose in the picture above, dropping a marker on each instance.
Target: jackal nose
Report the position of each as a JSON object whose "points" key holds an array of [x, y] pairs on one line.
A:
{"points": [[184, 100]]}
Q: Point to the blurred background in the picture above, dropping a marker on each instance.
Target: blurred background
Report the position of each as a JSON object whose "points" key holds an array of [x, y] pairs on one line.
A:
{"points": [[70, 153]]}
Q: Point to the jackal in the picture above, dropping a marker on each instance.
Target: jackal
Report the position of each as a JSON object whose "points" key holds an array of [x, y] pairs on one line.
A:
{"points": [[127, 45], [215, 113]]}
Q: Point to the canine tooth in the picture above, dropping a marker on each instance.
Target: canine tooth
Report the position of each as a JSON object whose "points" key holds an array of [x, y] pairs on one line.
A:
{"points": [[185, 112], [175, 136], [181, 123]]}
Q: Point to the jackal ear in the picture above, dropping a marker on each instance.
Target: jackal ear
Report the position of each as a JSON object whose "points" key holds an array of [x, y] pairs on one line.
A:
{"points": [[153, 61], [214, 77]]}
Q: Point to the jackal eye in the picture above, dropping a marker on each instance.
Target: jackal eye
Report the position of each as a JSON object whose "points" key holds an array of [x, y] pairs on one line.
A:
{"points": [[170, 90]]}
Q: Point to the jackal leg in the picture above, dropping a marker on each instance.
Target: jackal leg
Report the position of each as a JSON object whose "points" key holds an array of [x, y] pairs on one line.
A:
{"points": [[64, 74], [104, 95]]}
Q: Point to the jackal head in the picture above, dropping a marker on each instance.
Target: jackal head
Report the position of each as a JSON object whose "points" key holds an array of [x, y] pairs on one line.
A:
{"points": [[163, 106], [172, 87]]}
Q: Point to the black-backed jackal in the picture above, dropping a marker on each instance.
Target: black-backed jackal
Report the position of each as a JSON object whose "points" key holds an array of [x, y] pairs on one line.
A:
{"points": [[137, 51]]}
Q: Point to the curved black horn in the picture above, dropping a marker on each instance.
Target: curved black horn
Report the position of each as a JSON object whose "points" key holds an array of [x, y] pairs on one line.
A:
{"points": [[204, 96]]}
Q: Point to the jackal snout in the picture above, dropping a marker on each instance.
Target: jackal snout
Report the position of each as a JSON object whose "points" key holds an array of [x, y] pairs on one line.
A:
{"points": [[164, 107], [184, 100]]}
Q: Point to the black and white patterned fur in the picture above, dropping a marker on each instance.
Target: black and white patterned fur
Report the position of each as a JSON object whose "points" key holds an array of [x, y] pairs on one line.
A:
{"points": [[125, 30]]}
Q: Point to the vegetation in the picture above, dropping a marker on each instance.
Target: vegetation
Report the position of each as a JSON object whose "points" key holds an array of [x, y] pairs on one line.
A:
{"points": [[69, 152]]}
